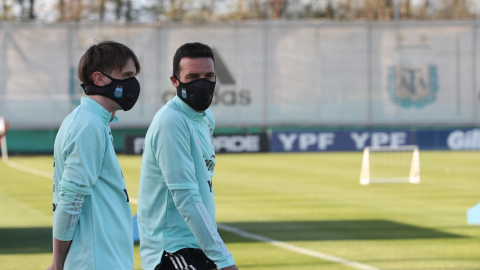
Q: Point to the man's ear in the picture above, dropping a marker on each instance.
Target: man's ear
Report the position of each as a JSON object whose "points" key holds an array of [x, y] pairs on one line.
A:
{"points": [[174, 81], [99, 79]]}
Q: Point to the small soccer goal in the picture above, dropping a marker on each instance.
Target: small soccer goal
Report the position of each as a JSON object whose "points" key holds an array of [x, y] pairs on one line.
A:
{"points": [[3, 138], [386, 164]]}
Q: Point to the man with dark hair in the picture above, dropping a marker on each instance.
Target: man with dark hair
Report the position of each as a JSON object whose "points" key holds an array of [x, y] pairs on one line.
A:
{"points": [[176, 208], [92, 223]]}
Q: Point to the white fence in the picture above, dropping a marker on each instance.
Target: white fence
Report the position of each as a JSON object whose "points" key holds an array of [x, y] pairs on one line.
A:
{"points": [[270, 73]]}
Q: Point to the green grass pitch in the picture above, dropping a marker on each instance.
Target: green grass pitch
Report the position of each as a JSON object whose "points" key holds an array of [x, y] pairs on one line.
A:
{"points": [[313, 201]]}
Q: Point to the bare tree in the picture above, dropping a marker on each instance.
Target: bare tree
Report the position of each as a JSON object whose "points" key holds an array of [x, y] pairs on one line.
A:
{"points": [[276, 9], [61, 8], [405, 9], [159, 9], [381, 10], [330, 11], [22, 9], [118, 9], [203, 10], [422, 10], [102, 9], [7, 10], [31, 10], [206, 10], [76, 7], [128, 12], [177, 10]]}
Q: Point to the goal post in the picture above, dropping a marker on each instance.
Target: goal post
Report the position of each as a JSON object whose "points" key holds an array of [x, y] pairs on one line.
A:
{"points": [[387, 164], [3, 138]]}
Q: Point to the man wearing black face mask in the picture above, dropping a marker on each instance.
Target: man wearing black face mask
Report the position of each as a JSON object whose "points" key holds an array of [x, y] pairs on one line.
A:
{"points": [[176, 210], [92, 225]]}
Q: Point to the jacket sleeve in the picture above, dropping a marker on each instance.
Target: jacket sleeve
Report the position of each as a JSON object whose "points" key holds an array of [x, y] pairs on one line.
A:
{"points": [[193, 211], [174, 157], [83, 153]]}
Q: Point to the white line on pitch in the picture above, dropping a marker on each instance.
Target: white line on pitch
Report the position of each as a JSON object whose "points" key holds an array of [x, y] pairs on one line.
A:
{"points": [[29, 170], [300, 250]]}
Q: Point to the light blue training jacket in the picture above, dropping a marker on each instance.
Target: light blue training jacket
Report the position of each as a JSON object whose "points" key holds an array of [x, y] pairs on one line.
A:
{"points": [[176, 207], [90, 199]]}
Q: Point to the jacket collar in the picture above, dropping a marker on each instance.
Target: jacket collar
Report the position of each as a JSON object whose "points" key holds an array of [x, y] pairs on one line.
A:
{"points": [[103, 114], [191, 113]]}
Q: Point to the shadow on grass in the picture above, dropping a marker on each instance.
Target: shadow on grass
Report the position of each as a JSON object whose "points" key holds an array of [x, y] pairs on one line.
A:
{"points": [[333, 230], [25, 240], [39, 240]]}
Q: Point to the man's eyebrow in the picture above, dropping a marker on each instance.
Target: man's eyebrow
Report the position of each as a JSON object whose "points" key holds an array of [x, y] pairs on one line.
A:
{"points": [[190, 74], [128, 73]]}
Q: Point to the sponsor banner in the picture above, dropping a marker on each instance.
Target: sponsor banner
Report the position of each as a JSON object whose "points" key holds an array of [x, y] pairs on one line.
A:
{"points": [[464, 140], [441, 139], [241, 143], [309, 141], [134, 144], [449, 139], [315, 141], [231, 143]]}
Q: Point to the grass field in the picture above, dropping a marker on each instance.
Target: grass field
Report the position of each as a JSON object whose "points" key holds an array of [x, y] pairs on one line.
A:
{"points": [[311, 201]]}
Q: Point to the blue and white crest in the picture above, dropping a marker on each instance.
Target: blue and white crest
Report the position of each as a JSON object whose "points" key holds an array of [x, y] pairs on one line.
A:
{"points": [[118, 92], [184, 93], [414, 86]]}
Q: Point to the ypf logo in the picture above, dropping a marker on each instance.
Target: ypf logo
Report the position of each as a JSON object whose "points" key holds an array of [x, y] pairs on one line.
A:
{"points": [[225, 90]]}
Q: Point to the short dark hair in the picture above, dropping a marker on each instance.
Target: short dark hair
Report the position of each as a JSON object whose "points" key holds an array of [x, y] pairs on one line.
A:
{"points": [[105, 56], [191, 50]]}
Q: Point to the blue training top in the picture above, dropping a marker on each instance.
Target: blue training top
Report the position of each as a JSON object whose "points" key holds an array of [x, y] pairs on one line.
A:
{"points": [[90, 201], [176, 208]]}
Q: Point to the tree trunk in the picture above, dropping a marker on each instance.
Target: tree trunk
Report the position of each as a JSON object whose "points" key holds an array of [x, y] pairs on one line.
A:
{"points": [[31, 13], [405, 9], [128, 14], [22, 9], [61, 7], [78, 10], [5, 9], [102, 10], [118, 9], [276, 9], [256, 10], [211, 10], [330, 11]]}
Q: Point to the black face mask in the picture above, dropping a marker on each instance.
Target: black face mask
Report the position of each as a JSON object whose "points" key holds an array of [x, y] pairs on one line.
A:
{"points": [[198, 94], [124, 92]]}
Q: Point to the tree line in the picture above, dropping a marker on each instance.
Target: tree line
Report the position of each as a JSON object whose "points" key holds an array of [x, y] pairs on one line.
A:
{"points": [[157, 11]]}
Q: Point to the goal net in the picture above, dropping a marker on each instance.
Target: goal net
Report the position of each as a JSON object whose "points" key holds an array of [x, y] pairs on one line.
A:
{"points": [[390, 165], [3, 138]]}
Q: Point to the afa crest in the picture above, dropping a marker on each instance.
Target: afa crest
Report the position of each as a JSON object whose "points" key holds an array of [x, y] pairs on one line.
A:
{"points": [[118, 92], [412, 86]]}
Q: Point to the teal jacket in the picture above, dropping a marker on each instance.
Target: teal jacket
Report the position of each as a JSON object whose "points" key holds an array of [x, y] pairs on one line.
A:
{"points": [[90, 201], [176, 207]]}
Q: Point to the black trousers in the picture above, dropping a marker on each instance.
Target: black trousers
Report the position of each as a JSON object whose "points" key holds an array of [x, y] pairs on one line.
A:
{"points": [[186, 259]]}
